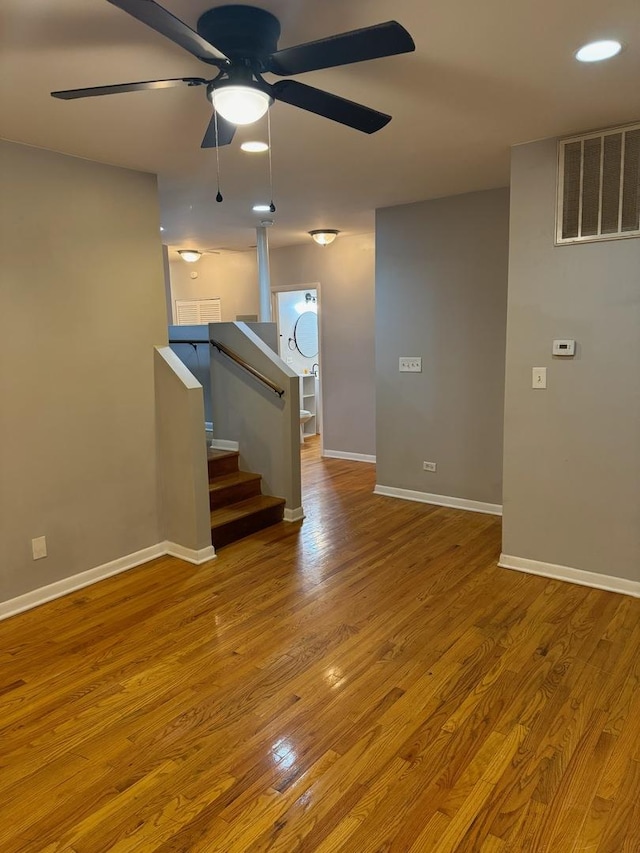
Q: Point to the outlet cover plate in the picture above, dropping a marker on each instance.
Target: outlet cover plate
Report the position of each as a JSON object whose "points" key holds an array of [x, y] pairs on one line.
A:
{"points": [[410, 364], [39, 547]]}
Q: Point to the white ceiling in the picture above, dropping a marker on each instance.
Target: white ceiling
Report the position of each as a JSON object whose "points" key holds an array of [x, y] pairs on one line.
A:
{"points": [[485, 75]]}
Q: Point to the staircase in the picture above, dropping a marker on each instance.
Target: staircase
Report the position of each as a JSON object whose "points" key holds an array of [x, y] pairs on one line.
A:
{"points": [[238, 507]]}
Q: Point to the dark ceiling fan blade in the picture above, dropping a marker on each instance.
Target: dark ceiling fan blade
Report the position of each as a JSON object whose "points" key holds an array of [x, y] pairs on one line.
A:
{"points": [[386, 39], [70, 94], [330, 106], [173, 28], [226, 131]]}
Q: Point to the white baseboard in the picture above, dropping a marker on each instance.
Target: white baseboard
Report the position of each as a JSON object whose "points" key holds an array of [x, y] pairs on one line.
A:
{"points": [[188, 554], [63, 587], [354, 457], [223, 444], [438, 500], [55, 590], [296, 514], [571, 575]]}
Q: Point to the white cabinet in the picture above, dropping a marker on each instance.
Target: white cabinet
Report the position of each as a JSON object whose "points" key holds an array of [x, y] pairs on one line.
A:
{"points": [[309, 401]]}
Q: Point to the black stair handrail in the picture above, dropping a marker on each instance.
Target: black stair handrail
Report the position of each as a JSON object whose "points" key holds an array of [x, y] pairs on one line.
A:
{"points": [[238, 360], [244, 364]]}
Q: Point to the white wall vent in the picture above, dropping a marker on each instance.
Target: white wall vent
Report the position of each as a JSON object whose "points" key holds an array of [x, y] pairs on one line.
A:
{"points": [[195, 312], [599, 186]]}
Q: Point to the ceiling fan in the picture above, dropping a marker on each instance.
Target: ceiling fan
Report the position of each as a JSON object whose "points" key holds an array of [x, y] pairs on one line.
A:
{"points": [[242, 43]]}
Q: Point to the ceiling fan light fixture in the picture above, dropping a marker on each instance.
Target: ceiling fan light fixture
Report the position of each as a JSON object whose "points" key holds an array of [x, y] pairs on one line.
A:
{"points": [[240, 104], [324, 236], [254, 146], [190, 255], [596, 51]]}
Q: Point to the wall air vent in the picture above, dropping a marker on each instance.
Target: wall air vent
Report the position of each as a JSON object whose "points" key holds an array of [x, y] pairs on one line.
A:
{"points": [[599, 186]]}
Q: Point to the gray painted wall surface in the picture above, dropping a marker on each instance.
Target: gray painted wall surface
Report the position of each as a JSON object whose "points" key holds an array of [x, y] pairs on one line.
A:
{"points": [[441, 290], [81, 306], [196, 359], [231, 276], [266, 426], [572, 452], [183, 479], [345, 271]]}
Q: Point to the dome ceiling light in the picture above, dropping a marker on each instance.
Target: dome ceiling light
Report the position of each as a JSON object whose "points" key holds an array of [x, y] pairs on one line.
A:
{"points": [[190, 255], [324, 236]]}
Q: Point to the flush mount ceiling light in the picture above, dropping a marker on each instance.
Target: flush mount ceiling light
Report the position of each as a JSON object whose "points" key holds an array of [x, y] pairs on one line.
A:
{"points": [[324, 236], [596, 51], [240, 104], [190, 255], [254, 147]]}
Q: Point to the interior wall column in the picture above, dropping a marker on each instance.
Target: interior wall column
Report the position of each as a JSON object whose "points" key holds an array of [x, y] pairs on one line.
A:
{"points": [[264, 277]]}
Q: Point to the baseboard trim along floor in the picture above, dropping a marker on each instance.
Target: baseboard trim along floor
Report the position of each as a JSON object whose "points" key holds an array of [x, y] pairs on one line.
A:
{"points": [[353, 457], [571, 575], [438, 500], [296, 514], [35, 597]]}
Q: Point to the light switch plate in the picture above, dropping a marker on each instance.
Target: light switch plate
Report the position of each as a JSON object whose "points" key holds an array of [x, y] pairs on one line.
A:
{"points": [[410, 364], [539, 377]]}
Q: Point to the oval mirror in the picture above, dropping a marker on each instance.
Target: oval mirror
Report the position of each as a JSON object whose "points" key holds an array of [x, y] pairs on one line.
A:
{"points": [[305, 334]]}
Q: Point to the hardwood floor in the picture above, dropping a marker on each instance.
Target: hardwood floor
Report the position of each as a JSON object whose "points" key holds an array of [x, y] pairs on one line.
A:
{"points": [[366, 681]]}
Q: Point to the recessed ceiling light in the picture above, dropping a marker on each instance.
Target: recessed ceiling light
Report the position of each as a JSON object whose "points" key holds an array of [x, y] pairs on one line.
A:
{"points": [[161, 228], [254, 147], [596, 51], [261, 208]]}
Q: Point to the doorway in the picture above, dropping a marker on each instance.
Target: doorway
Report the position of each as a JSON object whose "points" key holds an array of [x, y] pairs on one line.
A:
{"points": [[296, 310]]}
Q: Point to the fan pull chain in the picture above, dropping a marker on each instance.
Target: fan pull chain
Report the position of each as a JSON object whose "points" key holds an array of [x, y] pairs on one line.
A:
{"points": [[215, 121], [272, 206]]}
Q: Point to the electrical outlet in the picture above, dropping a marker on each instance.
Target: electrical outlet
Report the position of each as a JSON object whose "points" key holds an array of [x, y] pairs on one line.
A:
{"points": [[39, 547], [410, 364], [429, 466]]}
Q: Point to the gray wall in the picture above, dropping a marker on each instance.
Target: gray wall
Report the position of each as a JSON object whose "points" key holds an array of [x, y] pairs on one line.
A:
{"points": [[81, 306], [441, 289], [196, 359], [266, 426], [572, 452], [232, 276], [345, 271], [183, 479]]}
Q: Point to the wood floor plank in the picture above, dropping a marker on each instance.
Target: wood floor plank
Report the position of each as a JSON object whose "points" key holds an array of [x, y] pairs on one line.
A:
{"points": [[368, 680]]}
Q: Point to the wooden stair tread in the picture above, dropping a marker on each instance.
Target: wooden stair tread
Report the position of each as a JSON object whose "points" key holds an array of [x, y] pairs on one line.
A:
{"points": [[233, 479], [221, 454], [222, 462], [243, 509]]}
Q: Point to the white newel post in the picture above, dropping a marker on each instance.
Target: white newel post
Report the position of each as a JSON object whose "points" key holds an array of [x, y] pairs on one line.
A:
{"points": [[264, 278]]}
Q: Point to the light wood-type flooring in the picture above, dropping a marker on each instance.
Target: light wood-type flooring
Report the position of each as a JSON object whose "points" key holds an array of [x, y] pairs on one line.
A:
{"points": [[366, 681]]}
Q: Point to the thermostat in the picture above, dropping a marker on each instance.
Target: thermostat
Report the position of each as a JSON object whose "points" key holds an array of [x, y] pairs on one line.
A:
{"points": [[564, 347]]}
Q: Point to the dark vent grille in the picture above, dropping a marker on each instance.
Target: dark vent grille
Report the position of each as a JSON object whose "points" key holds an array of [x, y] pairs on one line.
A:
{"points": [[611, 183], [571, 195], [631, 193], [599, 186]]}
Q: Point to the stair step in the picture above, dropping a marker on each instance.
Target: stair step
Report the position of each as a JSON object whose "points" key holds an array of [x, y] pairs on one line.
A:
{"points": [[240, 519], [222, 462], [233, 488]]}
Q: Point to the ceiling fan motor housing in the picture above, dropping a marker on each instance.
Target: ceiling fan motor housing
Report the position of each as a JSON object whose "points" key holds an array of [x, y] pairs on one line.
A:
{"points": [[241, 32]]}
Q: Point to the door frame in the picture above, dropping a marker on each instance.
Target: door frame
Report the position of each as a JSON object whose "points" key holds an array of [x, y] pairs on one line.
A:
{"points": [[287, 288]]}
